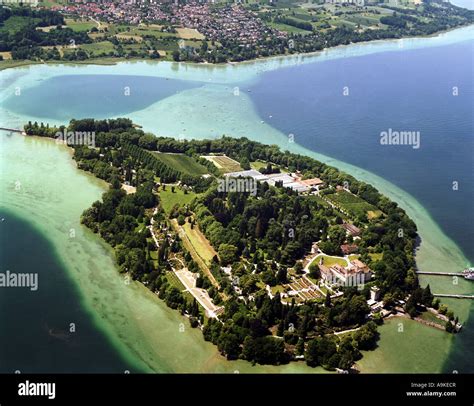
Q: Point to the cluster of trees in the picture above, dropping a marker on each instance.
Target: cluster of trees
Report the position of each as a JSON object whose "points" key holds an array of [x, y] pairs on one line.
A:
{"points": [[327, 352], [398, 21], [276, 221], [25, 41], [116, 219], [419, 296], [300, 330], [122, 145], [112, 125], [42, 17]]}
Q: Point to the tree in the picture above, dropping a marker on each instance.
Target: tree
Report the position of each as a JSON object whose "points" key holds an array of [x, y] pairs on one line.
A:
{"points": [[282, 275], [449, 327], [245, 164], [227, 253], [410, 306], [388, 300], [176, 56], [319, 351], [366, 337], [427, 297], [314, 271], [264, 350], [229, 345], [327, 301]]}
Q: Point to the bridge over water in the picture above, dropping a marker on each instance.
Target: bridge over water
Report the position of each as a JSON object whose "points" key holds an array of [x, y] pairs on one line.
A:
{"points": [[441, 273]]}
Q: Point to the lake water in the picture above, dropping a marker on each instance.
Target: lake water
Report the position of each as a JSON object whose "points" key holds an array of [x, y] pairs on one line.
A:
{"points": [[51, 317], [403, 85]]}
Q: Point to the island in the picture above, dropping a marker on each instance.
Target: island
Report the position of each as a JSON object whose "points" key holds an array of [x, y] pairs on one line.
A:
{"points": [[209, 32], [275, 256]]}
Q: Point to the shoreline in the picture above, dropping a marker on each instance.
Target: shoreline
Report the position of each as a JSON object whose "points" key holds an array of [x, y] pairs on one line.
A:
{"points": [[415, 204], [112, 61]]}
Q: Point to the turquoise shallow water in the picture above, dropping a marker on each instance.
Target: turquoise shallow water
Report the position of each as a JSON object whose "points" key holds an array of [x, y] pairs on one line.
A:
{"points": [[209, 107]]}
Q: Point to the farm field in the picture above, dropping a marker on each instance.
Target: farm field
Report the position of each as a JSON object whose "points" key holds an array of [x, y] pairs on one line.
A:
{"points": [[351, 203], [288, 28], [224, 163], [189, 33], [182, 163], [98, 48]]}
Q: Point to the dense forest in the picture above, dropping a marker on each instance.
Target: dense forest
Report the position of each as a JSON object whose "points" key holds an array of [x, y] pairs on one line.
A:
{"points": [[261, 238]]}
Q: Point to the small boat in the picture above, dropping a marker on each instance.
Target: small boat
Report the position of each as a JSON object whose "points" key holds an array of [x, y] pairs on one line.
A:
{"points": [[59, 334], [468, 274]]}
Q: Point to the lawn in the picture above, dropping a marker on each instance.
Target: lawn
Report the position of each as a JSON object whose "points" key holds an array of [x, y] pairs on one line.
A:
{"points": [[182, 163], [198, 246], [374, 214], [277, 289], [430, 317], [258, 165], [352, 204], [173, 280], [329, 261], [376, 256], [169, 199], [98, 48], [80, 25], [224, 163], [51, 3], [200, 243]]}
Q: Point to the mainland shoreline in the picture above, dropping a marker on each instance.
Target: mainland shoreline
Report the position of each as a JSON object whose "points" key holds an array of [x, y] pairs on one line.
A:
{"points": [[111, 61]]}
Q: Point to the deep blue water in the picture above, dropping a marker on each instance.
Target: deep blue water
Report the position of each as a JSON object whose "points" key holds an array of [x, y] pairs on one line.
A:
{"points": [[113, 95], [35, 334], [410, 90]]}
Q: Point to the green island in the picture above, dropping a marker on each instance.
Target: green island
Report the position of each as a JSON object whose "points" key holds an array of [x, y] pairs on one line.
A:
{"points": [[217, 32], [274, 265]]}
